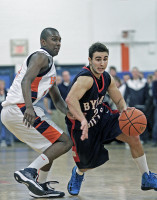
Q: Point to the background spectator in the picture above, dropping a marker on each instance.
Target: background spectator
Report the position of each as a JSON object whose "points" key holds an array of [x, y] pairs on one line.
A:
{"points": [[8, 137], [136, 94], [149, 106], [63, 87], [122, 88], [113, 71], [154, 132]]}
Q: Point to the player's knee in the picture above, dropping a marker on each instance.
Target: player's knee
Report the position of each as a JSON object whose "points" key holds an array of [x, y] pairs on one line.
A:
{"points": [[67, 143], [134, 141]]}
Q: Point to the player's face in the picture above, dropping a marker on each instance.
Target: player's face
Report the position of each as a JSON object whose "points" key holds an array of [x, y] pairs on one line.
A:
{"points": [[53, 43], [98, 63]]}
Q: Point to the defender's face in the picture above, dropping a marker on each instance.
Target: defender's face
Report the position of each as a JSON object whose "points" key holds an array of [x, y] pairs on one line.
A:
{"points": [[52, 44], [98, 63]]}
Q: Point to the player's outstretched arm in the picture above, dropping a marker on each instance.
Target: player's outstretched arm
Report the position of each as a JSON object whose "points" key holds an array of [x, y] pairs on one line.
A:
{"points": [[80, 87], [58, 100], [37, 62]]}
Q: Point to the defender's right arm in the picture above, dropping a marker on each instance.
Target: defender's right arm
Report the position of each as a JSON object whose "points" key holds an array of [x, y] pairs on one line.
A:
{"points": [[80, 87], [37, 62]]}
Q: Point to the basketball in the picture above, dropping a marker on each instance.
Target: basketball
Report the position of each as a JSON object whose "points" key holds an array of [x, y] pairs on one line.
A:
{"points": [[132, 122]]}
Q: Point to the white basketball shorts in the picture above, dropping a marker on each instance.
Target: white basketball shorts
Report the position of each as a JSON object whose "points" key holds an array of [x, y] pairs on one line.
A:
{"points": [[39, 137]]}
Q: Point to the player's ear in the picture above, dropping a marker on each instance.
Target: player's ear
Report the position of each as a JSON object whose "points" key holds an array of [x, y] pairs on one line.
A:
{"points": [[43, 42], [90, 60]]}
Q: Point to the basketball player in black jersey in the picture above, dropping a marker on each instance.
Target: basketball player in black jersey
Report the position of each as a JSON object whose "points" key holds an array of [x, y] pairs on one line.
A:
{"points": [[96, 123]]}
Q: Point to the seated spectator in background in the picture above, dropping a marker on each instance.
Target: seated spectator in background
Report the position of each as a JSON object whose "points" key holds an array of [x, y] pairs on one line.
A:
{"points": [[8, 137], [136, 95], [64, 86], [122, 88], [154, 131], [113, 71]]}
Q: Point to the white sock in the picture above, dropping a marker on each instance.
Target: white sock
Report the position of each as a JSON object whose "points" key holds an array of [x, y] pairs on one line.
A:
{"points": [[79, 172], [141, 162], [42, 176], [38, 163]]}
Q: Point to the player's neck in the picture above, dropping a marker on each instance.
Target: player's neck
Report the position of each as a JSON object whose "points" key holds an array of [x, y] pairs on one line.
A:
{"points": [[97, 75]]}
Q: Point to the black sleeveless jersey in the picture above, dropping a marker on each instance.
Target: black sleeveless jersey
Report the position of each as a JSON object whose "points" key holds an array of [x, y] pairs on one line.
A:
{"points": [[92, 101]]}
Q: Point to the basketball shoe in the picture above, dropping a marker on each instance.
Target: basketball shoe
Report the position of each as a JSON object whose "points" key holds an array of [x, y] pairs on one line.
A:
{"points": [[29, 176], [149, 181], [75, 182], [49, 192]]}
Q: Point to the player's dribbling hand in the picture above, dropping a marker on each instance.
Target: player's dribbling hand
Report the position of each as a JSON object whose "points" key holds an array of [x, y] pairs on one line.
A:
{"points": [[84, 128], [29, 117], [128, 109]]}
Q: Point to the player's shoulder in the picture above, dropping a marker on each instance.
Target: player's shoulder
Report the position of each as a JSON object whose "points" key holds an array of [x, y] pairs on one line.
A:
{"points": [[38, 57], [85, 80]]}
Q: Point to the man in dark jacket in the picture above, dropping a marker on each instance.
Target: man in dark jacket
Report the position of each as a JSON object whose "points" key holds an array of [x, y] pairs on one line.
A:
{"points": [[136, 94]]}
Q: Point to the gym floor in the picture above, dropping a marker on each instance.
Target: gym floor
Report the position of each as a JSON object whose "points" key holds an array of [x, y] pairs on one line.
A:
{"points": [[118, 179]]}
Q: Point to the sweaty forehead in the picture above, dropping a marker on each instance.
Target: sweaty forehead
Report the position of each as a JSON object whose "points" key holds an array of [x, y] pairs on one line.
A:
{"points": [[100, 54]]}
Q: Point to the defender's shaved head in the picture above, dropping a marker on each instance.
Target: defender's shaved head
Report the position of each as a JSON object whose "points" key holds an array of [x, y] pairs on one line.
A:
{"points": [[46, 32]]}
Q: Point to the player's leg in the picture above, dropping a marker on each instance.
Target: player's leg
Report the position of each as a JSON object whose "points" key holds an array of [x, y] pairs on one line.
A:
{"points": [[149, 180], [87, 154], [41, 138], [61, 146]]}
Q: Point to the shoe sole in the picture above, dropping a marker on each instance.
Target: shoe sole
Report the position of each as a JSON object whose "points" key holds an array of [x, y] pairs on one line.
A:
{"points": [[34, 188], [46, 195], [69, 191], [148, 188]]}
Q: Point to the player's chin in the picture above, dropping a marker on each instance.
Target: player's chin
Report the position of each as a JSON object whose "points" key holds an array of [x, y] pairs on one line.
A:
{"points": [[55, 52], [100, 70]]}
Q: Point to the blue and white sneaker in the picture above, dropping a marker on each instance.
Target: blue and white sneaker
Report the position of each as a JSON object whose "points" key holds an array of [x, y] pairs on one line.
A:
{"points": [[29, 176], [75, 182], [149, 181], [49, 191]]}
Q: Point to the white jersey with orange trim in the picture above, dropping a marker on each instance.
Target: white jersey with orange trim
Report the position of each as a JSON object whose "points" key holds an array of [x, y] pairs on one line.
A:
{"points": [[39, 87]]}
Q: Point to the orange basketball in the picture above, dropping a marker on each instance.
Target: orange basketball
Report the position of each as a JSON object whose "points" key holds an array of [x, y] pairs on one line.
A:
{"points": [[133, 122]]}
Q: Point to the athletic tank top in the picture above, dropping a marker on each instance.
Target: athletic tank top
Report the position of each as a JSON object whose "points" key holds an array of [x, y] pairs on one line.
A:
{"points": [[39, 87], [92, 101]]}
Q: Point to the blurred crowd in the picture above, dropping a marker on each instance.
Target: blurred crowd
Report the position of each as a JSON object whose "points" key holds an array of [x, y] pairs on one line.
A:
{"points": [[138, 91], [141, 93]]}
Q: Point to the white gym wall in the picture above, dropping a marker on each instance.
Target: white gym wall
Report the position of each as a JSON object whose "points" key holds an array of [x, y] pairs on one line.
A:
{"points": [[80, 23]]}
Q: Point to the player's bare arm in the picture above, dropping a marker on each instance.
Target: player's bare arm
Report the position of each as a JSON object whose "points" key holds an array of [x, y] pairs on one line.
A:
{"points": [[80, 87], [116, 96], [58, 101], [46, 104], [37, 63]]}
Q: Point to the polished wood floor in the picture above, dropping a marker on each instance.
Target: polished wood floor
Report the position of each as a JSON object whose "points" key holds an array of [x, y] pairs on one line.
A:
{"points": [[118, 179]]}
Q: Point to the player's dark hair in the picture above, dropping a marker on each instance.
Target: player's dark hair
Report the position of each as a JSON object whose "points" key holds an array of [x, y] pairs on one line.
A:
{"points": [[46, 32], [99, 47]]}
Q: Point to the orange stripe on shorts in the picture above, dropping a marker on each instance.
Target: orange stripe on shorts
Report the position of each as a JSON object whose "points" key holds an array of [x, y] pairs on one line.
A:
{"points": [[51, 134], [39, 124], [20, 105]]}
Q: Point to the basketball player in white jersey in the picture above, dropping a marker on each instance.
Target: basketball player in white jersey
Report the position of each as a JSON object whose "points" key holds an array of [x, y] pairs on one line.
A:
{"points": [[27, 122]]}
